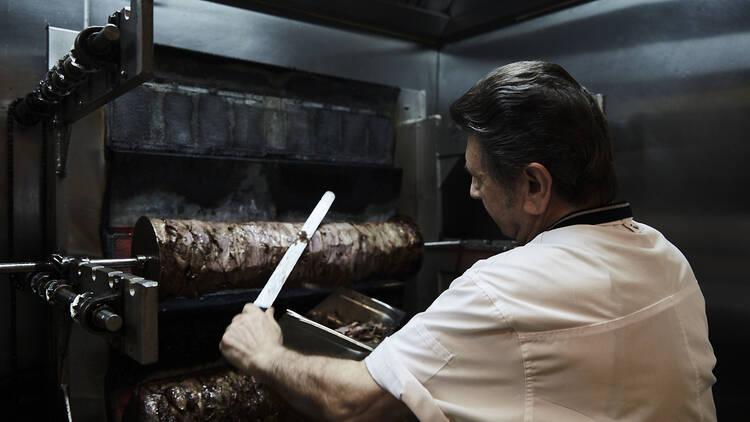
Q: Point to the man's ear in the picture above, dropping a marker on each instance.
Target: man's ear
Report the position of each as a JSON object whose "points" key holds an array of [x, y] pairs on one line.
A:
{"points": [[537, 189]]}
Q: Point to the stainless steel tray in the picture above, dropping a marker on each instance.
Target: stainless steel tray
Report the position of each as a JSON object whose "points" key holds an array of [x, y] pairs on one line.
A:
{"points": [[308, 336]]}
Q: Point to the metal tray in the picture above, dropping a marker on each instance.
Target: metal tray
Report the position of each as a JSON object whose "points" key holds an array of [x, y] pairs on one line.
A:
{"points": [[308, 336]]}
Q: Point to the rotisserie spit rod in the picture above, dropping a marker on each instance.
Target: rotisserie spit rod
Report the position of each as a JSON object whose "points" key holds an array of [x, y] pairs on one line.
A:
{"points": [[199, 257], [61, 263]]}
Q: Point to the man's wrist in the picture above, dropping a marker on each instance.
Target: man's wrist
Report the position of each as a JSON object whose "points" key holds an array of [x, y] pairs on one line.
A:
{"points": [[264, 364]]}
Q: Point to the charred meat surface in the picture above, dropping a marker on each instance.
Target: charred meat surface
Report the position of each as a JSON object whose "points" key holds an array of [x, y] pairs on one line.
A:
{"points": [[220, 395], [198, 257], [369, 331]]}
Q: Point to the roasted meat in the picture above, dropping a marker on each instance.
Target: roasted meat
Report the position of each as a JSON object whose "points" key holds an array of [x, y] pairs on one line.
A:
{"points": [[368, 331], [198, 257], [218, 395]]}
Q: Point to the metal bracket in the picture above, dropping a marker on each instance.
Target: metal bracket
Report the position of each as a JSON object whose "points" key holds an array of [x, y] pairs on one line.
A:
{"points": [[137, 300], [140, 299], [123, 307], [132, 65]]}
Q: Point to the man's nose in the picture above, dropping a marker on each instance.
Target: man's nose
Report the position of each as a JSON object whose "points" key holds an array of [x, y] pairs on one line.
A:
{"points": [[473, 191]]}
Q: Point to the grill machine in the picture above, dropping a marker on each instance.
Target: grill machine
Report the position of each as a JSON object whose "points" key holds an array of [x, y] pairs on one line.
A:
{"points": [[197, 136], [201, 136]]}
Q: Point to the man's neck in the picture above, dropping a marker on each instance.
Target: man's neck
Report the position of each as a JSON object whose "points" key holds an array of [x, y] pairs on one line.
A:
{"points": [[556, 210]]}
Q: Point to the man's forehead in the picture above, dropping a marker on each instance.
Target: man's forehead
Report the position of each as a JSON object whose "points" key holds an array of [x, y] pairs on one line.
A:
{"points": [[473, 146], [473, 156]]}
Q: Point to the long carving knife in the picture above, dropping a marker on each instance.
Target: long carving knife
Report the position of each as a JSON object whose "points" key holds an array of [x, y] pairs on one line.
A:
{"points": [[274, 284]]}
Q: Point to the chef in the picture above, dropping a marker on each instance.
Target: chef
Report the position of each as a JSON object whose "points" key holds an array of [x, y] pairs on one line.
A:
{"points": [[593, 317]]}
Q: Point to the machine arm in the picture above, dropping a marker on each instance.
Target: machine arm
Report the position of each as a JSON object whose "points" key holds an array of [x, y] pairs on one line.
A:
{"points": [[104, 300]]}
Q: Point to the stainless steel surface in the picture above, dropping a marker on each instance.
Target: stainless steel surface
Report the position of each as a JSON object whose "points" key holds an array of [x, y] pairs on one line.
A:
{"points": [[416, 155], [350, 305], [59, 42], [442, 243], [137, 261], [66, 398], [22, 267], [81, 192], [141, 325], [18, 267], [103, 279], [675, 76], [97, 297], [233, 32], [432, 22], [411, 105], [89, 294], [339, 336], [308, 336], [305, 336], [107, 320], [79, 307], [134, 65], [102, 40], [273, 286], [101, 65], [74, 202]]}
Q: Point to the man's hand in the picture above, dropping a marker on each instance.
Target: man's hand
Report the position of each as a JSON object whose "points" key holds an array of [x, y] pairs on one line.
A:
{"points": [[252, 341], [319, 386]]}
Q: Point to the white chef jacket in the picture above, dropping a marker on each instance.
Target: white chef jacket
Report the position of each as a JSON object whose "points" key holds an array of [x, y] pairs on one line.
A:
{"points": [[584, 323]]}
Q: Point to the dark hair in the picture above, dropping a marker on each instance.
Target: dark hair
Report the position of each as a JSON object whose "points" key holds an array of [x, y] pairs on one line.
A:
{"points": [[536, 112]]}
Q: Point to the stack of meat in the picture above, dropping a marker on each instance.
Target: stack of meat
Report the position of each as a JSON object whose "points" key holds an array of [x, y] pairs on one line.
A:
{"points": [[368, 331], [218, 395], [198, 257]]}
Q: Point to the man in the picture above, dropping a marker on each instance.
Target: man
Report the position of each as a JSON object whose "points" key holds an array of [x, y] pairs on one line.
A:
{"points": [[594, 317]]}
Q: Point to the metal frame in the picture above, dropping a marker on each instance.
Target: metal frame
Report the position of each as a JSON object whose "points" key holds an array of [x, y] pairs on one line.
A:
{"points": [[98, 296], [134, 63]]}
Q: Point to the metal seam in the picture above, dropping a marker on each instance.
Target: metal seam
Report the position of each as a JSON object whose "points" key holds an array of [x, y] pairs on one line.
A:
{"points": [[12, 277]]}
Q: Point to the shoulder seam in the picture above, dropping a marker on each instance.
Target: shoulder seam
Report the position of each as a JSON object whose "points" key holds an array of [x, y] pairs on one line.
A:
{"points": [[503, 315]]}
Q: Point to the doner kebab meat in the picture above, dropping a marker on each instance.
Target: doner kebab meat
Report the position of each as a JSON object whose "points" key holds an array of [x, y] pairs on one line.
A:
{"points": [[199, 257]]}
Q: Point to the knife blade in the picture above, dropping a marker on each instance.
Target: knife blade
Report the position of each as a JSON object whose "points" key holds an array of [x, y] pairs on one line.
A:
{"points": [[274, 284]]}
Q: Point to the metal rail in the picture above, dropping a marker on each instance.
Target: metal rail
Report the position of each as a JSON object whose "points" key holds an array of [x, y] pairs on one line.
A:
{"points": [[26, 267]]}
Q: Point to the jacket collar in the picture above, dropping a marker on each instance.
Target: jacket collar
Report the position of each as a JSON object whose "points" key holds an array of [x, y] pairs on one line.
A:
{"points": [[595, 215]]}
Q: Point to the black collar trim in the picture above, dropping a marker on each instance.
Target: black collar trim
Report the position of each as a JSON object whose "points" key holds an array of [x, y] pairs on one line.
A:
{"points": [[596, 215]]}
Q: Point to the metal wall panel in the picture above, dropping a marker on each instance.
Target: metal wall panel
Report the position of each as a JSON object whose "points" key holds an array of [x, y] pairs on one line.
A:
{"points": [[23, 46], [213, 28], [676, 79]]}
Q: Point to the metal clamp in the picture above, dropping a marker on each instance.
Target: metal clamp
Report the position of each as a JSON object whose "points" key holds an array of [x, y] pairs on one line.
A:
{"points": [[76, 304], [95, 46], [52, 288], [100, 298], [37, 282]]}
